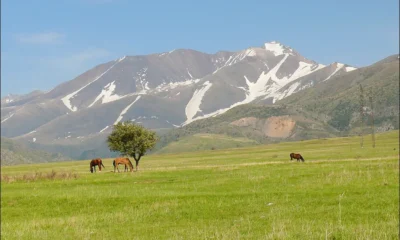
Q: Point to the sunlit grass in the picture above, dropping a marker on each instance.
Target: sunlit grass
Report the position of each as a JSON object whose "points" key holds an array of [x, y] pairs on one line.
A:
{"points": [[342, 191]]}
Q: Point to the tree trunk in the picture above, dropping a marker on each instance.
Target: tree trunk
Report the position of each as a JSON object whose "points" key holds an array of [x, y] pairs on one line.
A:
{"points": [[137, 159], [137, 165]]}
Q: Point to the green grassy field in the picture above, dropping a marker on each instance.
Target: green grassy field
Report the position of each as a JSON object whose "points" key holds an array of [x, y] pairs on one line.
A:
{"points": [[198, 142], [341, 191]]}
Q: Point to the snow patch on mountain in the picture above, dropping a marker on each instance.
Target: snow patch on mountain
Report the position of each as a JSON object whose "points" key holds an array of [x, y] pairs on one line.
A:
{"points": [[277, 48], [303, 70], [239, 57], [236, 58], [191, 77], [107, 95], [67, 99], [163, 87], [141, 81], [121, 115], [260, 88], [349, 69], [255, 90], [338, 67], [251, 53], [102, 130], [286, 93], [193, 105], [122, 58], [7, 118]]}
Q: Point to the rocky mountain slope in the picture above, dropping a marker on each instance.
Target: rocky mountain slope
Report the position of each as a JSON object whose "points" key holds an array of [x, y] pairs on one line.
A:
{"points": [[160, 91], [328, 109]]}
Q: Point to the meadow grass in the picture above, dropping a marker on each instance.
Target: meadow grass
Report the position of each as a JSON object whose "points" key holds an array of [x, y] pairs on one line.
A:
{"points": [[341, 191], [205, 141]]}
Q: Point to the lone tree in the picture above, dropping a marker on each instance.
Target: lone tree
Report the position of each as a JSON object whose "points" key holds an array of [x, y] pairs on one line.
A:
{"points": [[131, 140]]}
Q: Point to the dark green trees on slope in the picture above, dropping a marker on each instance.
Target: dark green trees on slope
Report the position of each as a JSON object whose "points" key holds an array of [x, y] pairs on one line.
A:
{"points": [[14, 152]]}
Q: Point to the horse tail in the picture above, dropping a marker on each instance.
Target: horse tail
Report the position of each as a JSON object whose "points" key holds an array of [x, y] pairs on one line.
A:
{"points": [[102, 164]]}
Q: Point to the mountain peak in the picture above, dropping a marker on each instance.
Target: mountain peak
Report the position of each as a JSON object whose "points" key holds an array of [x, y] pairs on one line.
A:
{"points": [[277, 48]]}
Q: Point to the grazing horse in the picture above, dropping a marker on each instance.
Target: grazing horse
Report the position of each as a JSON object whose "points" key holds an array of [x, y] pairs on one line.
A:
{"points": [[296, 156], [124, 161], [96, 162]]}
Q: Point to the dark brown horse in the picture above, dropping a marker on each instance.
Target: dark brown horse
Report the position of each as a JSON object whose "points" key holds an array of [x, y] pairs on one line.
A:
{"points": [[296, 156], [96, 162], [124, 161]]}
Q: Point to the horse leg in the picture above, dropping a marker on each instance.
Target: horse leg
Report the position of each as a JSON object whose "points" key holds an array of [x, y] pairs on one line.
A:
{"points": [[99, 167]]}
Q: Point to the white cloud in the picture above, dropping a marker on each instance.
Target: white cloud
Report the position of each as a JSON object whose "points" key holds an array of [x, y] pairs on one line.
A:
{"points": [[41, 38]]}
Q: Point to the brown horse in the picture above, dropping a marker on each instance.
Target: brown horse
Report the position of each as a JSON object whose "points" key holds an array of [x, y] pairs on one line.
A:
{"points": [[296, 156], [96, 162], [124, 161]]}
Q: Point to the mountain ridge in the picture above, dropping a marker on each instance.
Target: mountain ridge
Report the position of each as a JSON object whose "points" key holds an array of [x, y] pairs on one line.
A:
{"points": [[162, 91]]}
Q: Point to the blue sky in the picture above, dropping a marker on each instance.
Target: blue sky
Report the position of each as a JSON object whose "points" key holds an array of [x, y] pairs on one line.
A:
{"points": [[47, 42]]}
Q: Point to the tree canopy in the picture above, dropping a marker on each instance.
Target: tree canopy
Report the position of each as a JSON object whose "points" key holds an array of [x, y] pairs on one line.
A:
{"points": [[131, 139]]}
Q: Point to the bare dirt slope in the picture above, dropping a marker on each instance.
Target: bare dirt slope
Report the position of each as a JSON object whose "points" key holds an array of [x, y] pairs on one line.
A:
{"points": [[275, 127]]}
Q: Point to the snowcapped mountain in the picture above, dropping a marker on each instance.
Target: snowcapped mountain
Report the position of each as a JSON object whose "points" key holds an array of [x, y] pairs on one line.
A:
{"points": [[164, 90]]}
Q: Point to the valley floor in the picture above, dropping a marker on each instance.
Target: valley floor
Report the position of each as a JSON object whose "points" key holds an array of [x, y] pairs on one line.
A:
{"points": [[341, 191]]}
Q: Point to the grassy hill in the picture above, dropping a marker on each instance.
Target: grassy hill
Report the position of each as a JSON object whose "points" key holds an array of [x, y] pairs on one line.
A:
{"points": [[256, 132], [13, 153], [341, 191], [204, 141], [337, 101]]}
